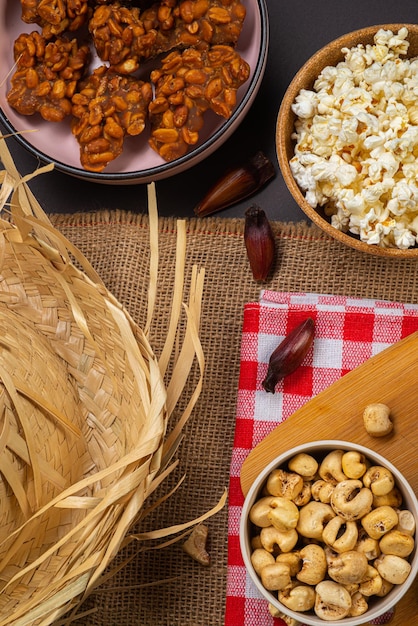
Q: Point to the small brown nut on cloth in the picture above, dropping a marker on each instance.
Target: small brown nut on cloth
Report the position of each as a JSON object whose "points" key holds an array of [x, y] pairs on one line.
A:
{"points": [[124, 36], [46, 76], [187, 84], [55, 16], [108, 107]]}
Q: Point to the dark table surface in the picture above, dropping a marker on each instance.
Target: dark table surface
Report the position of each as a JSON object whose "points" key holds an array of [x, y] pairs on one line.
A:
{"points": [[298, 28]]}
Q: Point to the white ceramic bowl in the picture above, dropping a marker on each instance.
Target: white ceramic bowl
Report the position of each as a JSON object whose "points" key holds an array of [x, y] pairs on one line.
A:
{"points": [[319, 449], [54, 143]]}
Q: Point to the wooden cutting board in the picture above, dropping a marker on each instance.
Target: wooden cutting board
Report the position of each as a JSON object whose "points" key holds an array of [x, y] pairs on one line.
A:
{"points": [[390, 377]]}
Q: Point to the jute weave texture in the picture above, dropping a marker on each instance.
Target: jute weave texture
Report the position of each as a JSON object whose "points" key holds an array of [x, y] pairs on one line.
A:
{"points": [[165, 587]]}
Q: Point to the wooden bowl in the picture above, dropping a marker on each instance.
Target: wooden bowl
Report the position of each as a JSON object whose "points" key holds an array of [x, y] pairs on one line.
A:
{"points": [[330, 55]]}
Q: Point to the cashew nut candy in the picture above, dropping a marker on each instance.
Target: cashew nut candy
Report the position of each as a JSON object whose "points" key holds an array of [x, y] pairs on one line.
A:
{"points": [[393, 498], [305, 495], [331, 467], [333, 602], [386, 587], [393, 568], [379, 479], [274, 612], [352, 588], [350, 500], [376, 418], [406, 522], [314, 564], [275, 576], [256, 542], [312, 519], [340, 535], [353, 464], [322, 491], [259, 512], [359, 605], [273, 539], [286, 484], [260, 558], [379, 521], [367, 545], [304, 464], [298, 597], [372, 582], [347, 567], [397, 542], [284, 514], [292, 559]]}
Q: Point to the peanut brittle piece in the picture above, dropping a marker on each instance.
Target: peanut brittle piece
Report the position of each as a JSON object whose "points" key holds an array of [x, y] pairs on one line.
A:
{"points": [[55, 16], [108, 107], [46, 75], [124, 36], [188, 84], [141, 4]]}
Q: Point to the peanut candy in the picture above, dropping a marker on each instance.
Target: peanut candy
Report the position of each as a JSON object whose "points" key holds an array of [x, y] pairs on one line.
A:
{"points": [[46, 75], [186, 85], [125, 37], [108, 107], [141, 4], [55, 16]]}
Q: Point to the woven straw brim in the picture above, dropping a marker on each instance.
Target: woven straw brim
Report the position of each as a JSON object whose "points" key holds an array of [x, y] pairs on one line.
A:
{"points": [[84, 410]]}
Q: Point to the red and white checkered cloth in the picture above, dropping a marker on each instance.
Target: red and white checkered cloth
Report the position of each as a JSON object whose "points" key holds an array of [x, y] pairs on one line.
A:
{"points": [[347, 332]]}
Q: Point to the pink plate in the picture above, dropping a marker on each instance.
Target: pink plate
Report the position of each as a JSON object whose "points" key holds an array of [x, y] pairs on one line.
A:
{"points": [[139, 163]]}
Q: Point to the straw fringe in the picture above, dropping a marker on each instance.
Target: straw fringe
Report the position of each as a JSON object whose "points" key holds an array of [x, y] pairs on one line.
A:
{"points": [[84, 408]]}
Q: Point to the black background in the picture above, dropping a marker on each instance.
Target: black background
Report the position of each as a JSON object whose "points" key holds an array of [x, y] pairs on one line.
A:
{"points": [[298, 28]]}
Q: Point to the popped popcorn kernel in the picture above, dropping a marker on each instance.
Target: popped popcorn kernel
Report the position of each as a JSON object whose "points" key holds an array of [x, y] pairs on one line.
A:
{"points": [[356, 136]]}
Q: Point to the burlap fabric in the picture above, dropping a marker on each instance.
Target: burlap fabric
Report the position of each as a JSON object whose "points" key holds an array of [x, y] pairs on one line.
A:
{"points": [[165, 587]]}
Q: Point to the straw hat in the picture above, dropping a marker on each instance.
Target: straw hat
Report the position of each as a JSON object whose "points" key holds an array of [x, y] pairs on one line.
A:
{"points": [[84, 404]]}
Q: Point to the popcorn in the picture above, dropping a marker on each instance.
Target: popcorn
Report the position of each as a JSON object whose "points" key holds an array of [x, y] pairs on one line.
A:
{"points": [[356, 138]]}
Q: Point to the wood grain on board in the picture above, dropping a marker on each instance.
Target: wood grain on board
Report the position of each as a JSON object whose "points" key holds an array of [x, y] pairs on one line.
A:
{"points": [[390, 377]]}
